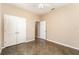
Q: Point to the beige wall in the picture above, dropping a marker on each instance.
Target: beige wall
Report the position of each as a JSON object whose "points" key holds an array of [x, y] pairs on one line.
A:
{"points": [[0, 28], [31, 18], [63, 25]]}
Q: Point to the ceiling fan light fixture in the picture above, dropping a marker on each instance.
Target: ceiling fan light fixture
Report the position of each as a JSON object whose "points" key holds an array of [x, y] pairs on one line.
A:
{"points": [[41, 6]]}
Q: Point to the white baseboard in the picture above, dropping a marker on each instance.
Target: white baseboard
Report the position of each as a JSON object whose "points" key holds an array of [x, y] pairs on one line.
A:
{"points": [[66, 45], [1, 50], [30, 40]]}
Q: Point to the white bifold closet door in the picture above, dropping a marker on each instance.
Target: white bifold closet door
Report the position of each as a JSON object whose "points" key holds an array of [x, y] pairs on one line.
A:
{"points": [[14, 30], [20, 30]]}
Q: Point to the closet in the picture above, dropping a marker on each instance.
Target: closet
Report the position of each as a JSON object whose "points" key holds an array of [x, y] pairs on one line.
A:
{"points": [[14, 30]]}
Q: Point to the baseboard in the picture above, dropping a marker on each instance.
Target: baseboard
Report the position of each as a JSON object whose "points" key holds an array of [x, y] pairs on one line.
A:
{"points": [[66, 45], [30, 40], [1, 50]]}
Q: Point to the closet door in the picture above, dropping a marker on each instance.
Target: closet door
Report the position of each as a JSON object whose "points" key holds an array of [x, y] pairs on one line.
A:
{"points": [[21, 30], [9, 30], [14, 30]]}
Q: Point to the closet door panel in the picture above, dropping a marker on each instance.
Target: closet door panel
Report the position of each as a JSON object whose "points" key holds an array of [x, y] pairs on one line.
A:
{"points": [[21, 30], [9, 30]]}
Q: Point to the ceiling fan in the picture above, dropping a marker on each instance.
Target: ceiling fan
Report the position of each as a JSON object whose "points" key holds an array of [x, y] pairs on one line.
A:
{"points": [[42, 6]]}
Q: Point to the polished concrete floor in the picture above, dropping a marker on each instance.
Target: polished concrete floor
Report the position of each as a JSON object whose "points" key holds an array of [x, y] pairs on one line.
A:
{"points": [[39, 47]]}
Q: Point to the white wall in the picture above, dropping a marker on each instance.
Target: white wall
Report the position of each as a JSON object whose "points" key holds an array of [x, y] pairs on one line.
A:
{"points": [[63, 25]]}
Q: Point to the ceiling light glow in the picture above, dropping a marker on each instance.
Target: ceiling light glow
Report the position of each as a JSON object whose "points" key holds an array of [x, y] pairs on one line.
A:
{"points": [[41, 6]]}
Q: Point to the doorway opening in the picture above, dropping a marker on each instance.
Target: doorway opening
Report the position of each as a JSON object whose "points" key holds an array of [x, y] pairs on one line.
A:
{"points": [[40, 32]]}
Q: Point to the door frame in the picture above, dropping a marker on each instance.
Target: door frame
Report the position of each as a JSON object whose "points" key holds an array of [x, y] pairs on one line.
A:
{"points": [[45, 28]]}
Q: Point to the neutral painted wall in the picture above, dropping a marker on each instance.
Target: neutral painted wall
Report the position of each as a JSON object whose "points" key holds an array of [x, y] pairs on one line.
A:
{"points": [[0, 28], [31, 18], [63, 25]]}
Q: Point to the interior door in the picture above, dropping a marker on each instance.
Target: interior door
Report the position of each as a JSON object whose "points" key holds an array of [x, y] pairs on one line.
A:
{"points": [[43, 29], [9, 30], [21, 30], [14, 30]]}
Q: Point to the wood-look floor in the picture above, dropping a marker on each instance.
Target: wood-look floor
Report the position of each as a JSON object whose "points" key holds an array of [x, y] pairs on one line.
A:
{"points": [[38, 47]]}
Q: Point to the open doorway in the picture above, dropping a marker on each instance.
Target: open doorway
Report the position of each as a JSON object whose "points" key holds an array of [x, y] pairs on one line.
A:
{"points": [[40, 30], [40, 33]]}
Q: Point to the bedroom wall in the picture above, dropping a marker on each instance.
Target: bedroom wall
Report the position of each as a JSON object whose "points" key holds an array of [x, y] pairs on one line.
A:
{"points": [[0, 28], [63, 25]]}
